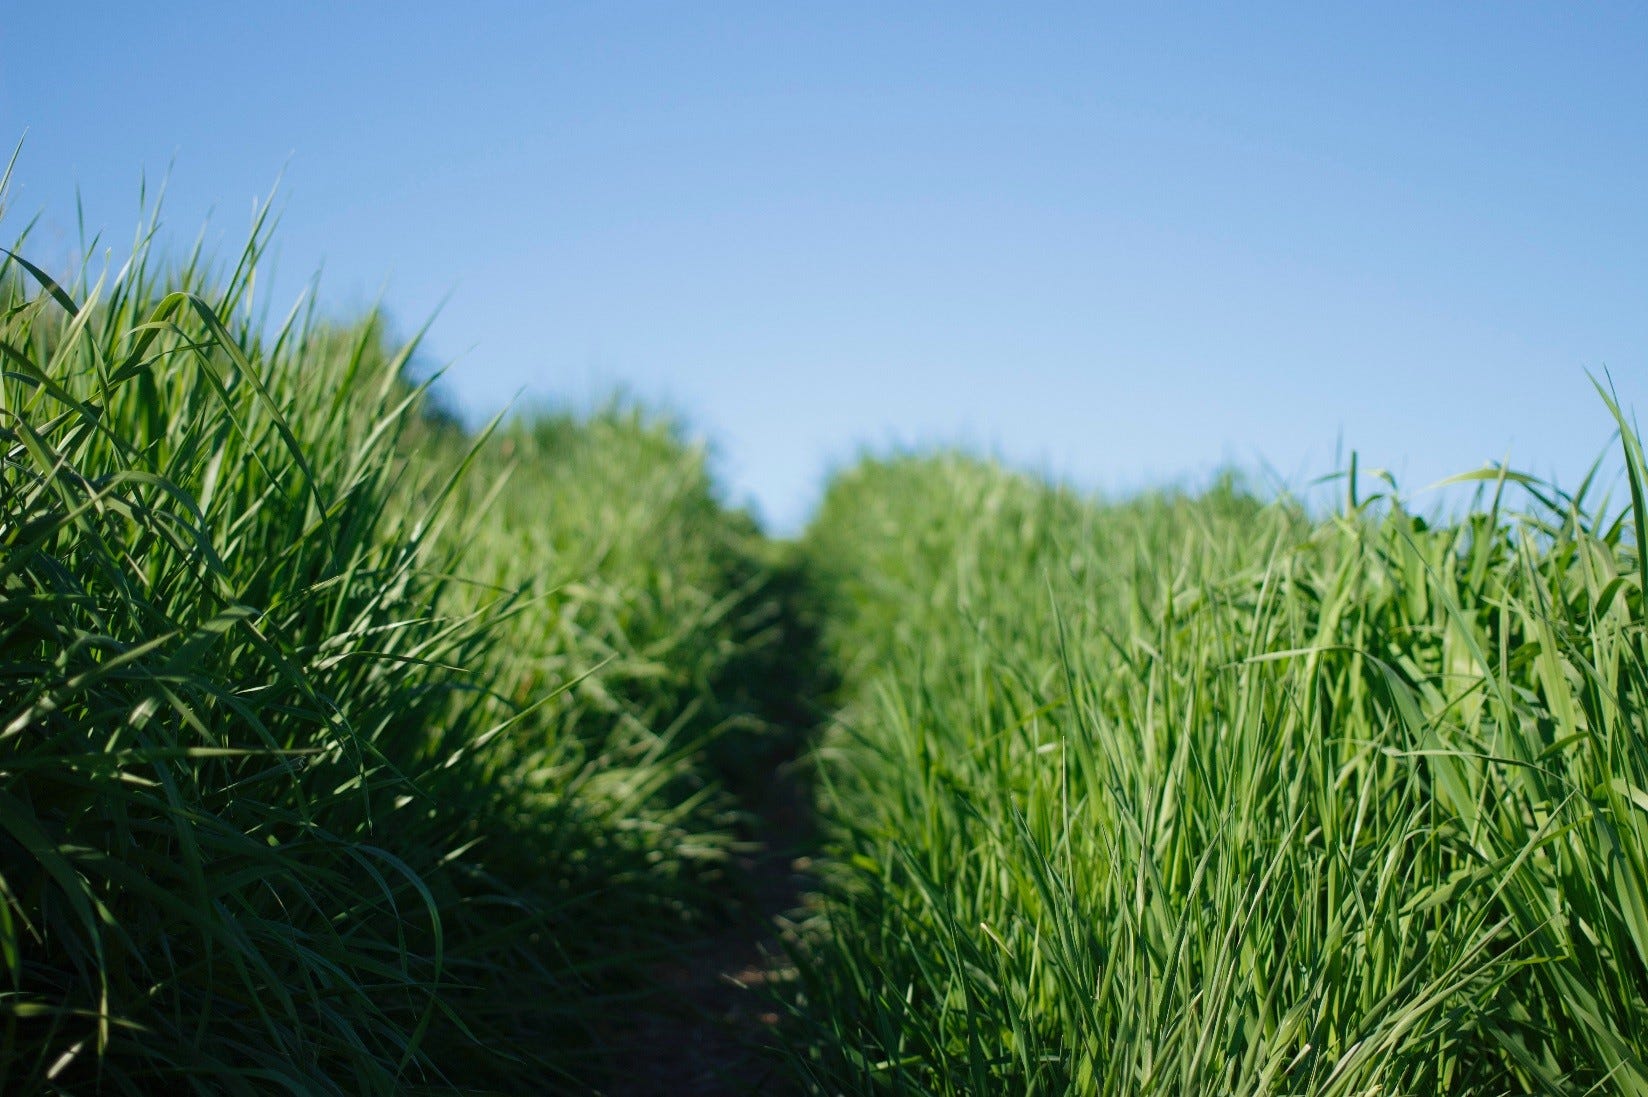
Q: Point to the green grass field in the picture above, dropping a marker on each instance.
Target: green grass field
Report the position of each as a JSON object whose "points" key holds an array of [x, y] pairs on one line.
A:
{"points": [[1200, 795], [345, 750]]}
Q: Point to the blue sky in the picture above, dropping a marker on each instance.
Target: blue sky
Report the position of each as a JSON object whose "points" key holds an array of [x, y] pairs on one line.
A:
{"points": [[1120, 244]]}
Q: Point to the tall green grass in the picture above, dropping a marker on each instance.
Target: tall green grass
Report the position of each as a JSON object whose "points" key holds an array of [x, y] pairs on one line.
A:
{"points": [[343, 750], [657, 603], [339, 752], [1199, 795]]}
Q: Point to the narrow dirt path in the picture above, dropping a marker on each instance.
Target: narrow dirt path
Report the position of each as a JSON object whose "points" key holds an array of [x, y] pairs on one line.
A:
{"points": [[714, 1030], [709, 1028]]}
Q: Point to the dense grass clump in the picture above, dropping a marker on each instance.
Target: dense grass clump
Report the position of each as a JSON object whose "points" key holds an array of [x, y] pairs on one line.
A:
{"points": [[315, 772], [1197, 795], [659, 609]]}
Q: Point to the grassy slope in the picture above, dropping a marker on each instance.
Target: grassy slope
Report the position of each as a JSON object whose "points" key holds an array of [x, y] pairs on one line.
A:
{"points": [[1195, 796], [283, 803]]}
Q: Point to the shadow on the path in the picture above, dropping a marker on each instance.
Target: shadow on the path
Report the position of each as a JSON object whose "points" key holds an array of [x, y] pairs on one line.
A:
{"points": [[709, 1026]]}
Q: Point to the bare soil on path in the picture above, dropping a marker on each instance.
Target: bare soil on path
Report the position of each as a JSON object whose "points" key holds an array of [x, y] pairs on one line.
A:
{"points": [[714, 1026], [708, 1025]]}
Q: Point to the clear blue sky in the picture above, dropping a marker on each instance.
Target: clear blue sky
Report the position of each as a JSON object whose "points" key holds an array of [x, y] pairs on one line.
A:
{"points": [[1123, 244]]}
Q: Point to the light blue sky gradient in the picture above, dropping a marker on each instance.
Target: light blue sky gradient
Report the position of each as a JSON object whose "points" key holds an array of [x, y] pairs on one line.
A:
{"points": [[1123, 245]]}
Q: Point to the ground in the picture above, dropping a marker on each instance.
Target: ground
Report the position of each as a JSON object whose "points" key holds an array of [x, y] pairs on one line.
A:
{"points": [[714, 1026]]}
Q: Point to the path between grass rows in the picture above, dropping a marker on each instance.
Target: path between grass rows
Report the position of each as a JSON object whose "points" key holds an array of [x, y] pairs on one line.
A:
{"points": [[711, 1026], [708, 1027]]}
